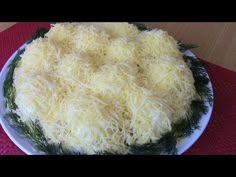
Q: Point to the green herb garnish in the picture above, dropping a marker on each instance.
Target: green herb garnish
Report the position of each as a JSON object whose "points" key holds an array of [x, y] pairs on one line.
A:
{"points": [[185, 47], [39, 33], [141, 27]]}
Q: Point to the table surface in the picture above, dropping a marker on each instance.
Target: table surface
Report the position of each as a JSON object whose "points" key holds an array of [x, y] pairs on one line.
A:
{"points": [[217, 41]]}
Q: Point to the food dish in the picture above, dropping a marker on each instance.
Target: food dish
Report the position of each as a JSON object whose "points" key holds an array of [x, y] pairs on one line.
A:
{"points": [[182, 145]]}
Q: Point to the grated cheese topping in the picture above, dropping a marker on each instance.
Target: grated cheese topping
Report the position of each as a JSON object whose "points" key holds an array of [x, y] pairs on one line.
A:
{"points": [[103, 86]]}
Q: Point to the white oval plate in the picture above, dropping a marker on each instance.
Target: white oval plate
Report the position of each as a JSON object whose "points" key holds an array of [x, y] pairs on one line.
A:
{"points": [[26, 146]]}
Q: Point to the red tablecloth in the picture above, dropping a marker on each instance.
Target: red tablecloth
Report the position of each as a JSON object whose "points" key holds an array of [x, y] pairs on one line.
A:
{"points": [[220, 134]]}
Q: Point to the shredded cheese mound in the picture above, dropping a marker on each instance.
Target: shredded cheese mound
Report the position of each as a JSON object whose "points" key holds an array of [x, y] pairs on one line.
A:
{"points": [[98, 87]]}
